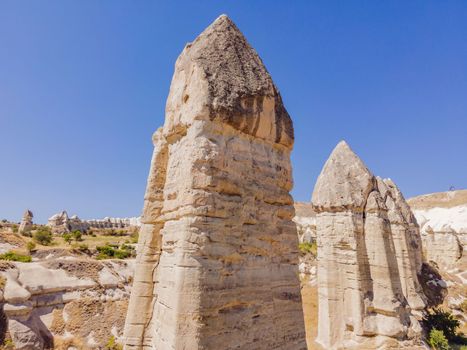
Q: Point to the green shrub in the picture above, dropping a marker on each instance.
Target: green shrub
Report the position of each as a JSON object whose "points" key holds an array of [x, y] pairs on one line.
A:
{"points": [[437, 340], [445, 322], [82, 247], [67, 238], [113, 345], [43, 236], [307, 247], [30, 246], [12, 256], [15, 228], [109, 251], [77, 236]]}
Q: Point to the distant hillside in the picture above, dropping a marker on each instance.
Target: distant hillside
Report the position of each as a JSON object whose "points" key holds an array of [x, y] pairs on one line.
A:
{"points": [[439, 199]]}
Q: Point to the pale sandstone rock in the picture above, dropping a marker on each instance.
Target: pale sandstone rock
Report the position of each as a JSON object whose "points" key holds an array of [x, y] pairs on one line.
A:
{"points": [[305, 219], [442, 218], [369, 258], [26, 222], [36, 293], [61, 223], [217, 257]]}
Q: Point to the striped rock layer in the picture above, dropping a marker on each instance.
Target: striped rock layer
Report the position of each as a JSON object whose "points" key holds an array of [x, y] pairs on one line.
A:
{"points": [[217, 258], [369, 259]]}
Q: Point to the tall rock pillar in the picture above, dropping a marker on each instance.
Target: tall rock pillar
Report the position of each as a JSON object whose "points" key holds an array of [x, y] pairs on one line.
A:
{"points": [[369, 259], [218, 250], [26, 222]]}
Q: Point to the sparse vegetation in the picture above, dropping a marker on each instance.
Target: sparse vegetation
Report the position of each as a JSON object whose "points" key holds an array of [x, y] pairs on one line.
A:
{"points": [[30, 246], [14, 228], [83, 247], [437, 340], [77, 236], [113, 345], [108, 251], [444, 322], [67, 238], [2, 282], [463, 306], [307, 247], [43, 236], [134, 237], [13, 256], [7, 345]]}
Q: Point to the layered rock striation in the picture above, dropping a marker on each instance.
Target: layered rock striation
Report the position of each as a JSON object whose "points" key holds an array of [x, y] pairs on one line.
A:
{"points": [[369, 258], [217, 257]]}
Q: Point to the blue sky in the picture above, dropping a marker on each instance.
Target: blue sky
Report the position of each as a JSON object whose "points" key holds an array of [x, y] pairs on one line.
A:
{"points": [[83, 86]]}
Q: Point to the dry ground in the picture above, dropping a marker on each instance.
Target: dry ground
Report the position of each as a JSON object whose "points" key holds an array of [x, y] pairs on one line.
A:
{"points": [[310, 310], [440, 199]]}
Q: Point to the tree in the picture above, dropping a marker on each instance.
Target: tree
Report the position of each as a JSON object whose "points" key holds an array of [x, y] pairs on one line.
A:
{"points": [[77, 235], [30, 246], [43, 236], [67, 238]]}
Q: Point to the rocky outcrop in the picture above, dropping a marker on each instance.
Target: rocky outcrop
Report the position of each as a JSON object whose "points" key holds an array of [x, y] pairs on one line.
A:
{"points": [[26, 223], [217, 257], [114, 223], [60, 223], [305, 219], [443, 224], [65, 301], [369, 258]]}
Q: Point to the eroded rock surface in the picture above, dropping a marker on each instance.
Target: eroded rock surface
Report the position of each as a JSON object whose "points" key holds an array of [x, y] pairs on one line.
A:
{"points": [[369, 258], [442, 218], [26, 222], [217, 257], [64, 302], [305, 219]]}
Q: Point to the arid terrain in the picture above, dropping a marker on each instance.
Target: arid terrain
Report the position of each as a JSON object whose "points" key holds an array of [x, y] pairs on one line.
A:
{"points": [[69, 295]]}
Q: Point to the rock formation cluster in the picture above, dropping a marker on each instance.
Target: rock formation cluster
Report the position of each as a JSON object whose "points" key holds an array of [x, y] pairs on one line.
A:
{"points": [[217, 257], [61, 223], [26, 222], [369, 258]]}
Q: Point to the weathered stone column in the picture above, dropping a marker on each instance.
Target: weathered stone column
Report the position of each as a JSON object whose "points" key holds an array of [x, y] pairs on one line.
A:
{"points": [[218, 251], [26, 222], [369, 258]]}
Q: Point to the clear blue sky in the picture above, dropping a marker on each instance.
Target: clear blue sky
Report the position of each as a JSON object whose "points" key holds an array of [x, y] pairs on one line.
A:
{"points": [[83, 86]]}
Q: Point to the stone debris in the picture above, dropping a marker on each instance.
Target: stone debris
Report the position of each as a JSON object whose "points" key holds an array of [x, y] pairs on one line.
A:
{"points": [[218, 250], [369, 258], [26, 222]]}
